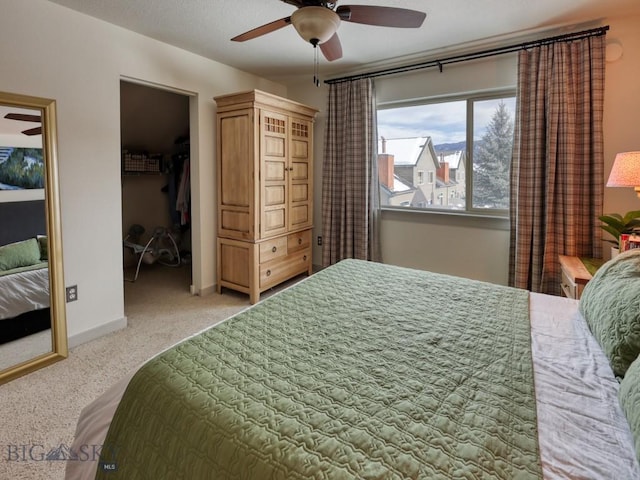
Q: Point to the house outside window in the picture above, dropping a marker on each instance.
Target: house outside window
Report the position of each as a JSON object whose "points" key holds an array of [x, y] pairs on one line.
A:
{"points": [[463, 144]]}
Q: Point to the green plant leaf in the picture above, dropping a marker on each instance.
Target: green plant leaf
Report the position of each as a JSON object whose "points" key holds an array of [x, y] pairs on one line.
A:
{"points": [[611, 216], [614, 232], [629, 216], [633, 215], [613, 221], [616, 224]]}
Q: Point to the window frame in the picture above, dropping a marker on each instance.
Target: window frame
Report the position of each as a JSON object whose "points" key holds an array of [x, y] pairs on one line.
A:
{"points": [[470, 98]]}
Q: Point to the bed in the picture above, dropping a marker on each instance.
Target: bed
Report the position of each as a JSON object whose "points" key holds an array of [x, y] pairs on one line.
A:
{"points": [[24, 301], [24, 272], [366, 370]]}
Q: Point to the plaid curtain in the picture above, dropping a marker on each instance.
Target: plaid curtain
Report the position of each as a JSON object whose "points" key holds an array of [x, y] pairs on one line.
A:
{"points": [[557, 169], [350, 192]]}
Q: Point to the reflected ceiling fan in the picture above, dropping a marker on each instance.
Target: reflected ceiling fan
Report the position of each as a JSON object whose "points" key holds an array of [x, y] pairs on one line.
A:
{"points": [[23, 117], [317, 21]]}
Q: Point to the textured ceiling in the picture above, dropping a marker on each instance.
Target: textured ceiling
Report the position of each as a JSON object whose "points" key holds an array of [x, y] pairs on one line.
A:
{"points": [[206, 26]]}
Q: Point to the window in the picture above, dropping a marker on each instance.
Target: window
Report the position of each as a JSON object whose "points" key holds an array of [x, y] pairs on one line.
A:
{"points": [[463, 144]]}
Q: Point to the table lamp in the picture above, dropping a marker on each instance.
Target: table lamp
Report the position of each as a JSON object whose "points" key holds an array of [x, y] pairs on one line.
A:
{"points": [[626, 171]]}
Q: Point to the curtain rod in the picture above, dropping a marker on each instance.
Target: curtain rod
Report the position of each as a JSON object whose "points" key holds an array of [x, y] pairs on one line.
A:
{"points": [[594, 32]]}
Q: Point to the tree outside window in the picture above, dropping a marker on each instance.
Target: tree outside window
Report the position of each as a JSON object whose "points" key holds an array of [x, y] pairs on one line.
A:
{"points": [[492, 160]]}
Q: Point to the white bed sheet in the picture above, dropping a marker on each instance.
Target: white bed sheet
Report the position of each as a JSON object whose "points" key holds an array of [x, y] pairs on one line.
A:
{"points": [[582, 430], [23, 292]]}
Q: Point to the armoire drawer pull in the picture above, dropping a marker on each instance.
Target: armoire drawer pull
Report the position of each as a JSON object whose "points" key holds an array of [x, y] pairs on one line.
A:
{"points": [[274, 249], [299, 241], [268, 273], [304, 258]]}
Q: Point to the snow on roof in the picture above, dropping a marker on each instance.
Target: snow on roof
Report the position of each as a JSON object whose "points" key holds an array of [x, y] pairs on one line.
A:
{"points": [[452, 158], [405, 151], [399, 186]]}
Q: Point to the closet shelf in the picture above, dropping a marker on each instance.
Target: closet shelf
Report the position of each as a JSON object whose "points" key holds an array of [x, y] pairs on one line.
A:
{"points": [[141, 163], [143, 174]]}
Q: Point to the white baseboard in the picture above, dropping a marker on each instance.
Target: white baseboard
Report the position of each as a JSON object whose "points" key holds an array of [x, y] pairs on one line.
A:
{"points": [[203, 291], [207, 290], [97, 332]]}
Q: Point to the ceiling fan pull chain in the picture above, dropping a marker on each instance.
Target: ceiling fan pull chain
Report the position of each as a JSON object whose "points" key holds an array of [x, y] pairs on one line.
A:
{"points": [[316, 68]]}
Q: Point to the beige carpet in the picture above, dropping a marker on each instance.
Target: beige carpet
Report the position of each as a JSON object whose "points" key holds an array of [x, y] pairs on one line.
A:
{"points": [[38, 412]]}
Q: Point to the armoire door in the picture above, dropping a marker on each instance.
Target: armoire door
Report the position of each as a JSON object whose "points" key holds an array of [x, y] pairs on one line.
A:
{"points": [[274, 172], [300, 174], [235, 170]]}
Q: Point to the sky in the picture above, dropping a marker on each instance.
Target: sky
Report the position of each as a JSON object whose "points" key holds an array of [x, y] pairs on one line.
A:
{"points": [[443, 122]]}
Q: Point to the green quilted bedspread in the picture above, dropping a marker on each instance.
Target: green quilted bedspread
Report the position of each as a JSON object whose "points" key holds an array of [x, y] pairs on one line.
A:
{"points": [[363, 371], [24, 269]]}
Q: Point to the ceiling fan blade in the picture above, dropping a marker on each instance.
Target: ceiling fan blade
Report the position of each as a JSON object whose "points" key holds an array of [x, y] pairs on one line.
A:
{"points": [[295, 3], [262, 30], [381, 16], [332, 49], [23, 117], [33, 131]]}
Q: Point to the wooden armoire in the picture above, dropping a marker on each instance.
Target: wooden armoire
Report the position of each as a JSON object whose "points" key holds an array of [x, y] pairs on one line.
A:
{"points": [[265, 191]]}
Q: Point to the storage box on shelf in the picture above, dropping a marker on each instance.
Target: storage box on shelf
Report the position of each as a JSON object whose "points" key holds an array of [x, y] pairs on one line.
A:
{"points": [[138, 163]]}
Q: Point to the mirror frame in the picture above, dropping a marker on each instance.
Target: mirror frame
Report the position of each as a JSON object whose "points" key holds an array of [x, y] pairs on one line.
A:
{"points": [[59, 346]]}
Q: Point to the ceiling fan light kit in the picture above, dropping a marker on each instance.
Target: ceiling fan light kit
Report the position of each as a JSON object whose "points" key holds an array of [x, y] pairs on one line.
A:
{"points": [[315, 24]]}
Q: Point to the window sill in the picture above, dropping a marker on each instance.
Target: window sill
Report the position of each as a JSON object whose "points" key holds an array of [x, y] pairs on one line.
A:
{"points": [[497, 221]]}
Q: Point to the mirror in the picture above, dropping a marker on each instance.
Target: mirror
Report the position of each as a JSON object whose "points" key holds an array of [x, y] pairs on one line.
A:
{"points": [[33, 329]]}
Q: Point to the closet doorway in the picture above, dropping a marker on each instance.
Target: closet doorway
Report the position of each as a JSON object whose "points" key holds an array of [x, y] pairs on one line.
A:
{"points": [[156, 191]]}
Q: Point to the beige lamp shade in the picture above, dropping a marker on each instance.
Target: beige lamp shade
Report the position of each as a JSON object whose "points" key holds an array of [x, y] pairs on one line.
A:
{"points": [[315, 24], [626, 171]]}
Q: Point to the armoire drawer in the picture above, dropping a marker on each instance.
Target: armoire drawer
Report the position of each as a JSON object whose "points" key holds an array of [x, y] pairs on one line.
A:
{"points": [[272, 249], [279, 270], [298, 241]]}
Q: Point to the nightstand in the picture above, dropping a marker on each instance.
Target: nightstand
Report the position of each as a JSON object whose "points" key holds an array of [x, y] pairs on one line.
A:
{"points": [[575, 274]]}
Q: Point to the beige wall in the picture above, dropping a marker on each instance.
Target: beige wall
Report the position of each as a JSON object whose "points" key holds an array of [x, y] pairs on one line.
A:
{"points": [[476, 247], [622, 104], [51, 51]]}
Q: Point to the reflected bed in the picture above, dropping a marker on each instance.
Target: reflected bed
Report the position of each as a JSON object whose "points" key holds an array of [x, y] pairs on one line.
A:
{"points": [[24, 272], [24, 302]]}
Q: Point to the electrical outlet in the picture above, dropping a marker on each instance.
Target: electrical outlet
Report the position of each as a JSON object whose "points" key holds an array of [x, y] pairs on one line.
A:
{"points": [[319, 239], [72, 293]]}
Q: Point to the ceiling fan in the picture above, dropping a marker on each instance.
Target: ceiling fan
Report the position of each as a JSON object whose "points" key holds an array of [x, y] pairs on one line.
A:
{"points": [[317, 21], [23, 117]]}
